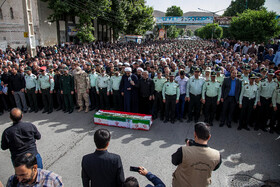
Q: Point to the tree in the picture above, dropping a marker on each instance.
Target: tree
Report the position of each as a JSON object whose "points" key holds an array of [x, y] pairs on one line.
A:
{"points": [[172, 32], [174, 11], [252, 25], [85, 33], [139, 17], [189, 32], [238, 6], [210, 30]]}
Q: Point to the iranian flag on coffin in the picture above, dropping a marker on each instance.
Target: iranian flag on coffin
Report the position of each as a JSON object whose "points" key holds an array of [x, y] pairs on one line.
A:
{"points": [[123, 119]]}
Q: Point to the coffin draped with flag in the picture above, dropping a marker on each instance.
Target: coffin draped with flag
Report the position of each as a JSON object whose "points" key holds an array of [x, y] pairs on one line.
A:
{"points": [[123, 119]]}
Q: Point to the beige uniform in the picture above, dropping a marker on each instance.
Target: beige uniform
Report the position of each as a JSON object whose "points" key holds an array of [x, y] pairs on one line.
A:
{"points": [[82, 84]]}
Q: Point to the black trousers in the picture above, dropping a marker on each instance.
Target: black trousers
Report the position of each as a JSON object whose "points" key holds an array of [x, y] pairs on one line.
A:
{"points": [[47, 100], [1, 103], [275, 120], [59, 100], [32, 99], [117, 100], [158, 105], [228, 109], [264, 112], [246, 112], [170, 106], [210, 108], [68, 102], [94, 99], [145, 105], [194, 106], [104, 99]]}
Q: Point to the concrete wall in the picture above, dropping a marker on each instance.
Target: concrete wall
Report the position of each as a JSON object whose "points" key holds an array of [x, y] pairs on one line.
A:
{"points": [[12, 30], [48, 31]]}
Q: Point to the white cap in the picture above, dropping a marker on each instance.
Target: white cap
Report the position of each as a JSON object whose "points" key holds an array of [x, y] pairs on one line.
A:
{"points": [[120, 64], [126, 64], [127, 69], [141, 69], [208, 69]]}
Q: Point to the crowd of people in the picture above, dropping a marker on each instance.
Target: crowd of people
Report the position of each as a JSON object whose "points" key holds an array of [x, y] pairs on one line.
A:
{"points": [[195, 161], [170, 80]]}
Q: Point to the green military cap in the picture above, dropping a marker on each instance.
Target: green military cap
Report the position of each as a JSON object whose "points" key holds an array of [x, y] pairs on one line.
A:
{"points": [[116, 69], [218, 69], [271, 72], [172, 74], [239, 73], [263, 69], [213, 73], [259, 75], [50, 67], [253, 76], [159, 71], [196, 69], [88, 63], [66, 68], [28, 69], [206, 64], [93, 67], [247, 67]]}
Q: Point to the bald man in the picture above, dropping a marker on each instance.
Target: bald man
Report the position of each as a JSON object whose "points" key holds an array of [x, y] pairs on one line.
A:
{"points": [[21, 137]]}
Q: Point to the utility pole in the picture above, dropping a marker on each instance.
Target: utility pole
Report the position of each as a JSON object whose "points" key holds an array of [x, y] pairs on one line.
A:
{"points": [[29, 27]]}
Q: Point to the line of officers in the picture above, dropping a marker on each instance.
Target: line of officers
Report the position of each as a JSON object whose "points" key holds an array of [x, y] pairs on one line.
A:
{"points": [[235, 97]]}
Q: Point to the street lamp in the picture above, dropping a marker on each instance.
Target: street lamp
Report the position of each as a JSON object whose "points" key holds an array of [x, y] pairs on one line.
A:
{"points": [[213, 17]]}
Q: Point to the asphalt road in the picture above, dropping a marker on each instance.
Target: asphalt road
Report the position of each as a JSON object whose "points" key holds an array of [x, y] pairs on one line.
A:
{"points": [[248, 157]]}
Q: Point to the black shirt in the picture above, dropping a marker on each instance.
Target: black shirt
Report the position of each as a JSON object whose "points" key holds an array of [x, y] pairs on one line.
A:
{"points": [[17, 82], [20, 138], [177, 157], [102, 168], [146, 87]]}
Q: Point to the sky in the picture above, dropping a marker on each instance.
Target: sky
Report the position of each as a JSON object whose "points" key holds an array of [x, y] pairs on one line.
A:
{"points": [[210, 5]]}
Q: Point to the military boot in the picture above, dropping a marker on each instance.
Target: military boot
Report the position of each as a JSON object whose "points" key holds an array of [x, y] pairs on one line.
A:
{"points": [[81, 108], [87, 109]]}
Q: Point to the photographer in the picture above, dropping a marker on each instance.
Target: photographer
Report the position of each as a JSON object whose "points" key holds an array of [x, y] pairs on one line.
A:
{"points": [[132, 181], [196, 160]]}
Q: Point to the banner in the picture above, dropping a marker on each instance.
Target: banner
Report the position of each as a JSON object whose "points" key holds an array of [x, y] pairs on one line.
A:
{"points": [[185, 20], [161, 33]]}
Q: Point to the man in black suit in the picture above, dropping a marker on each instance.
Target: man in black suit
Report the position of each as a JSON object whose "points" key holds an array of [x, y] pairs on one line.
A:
{"points": [[102, 168], [230, 96]]}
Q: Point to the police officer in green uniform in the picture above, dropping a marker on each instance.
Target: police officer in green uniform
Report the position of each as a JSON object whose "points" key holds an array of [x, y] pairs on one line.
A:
{"points": [[193, 95], [219, 78], [211, 96], [276, 106], [103, 89], [248, 101], [158, 105], [30, 89], [45, 87], [267, 87], [170, 95], [66, 84], [93, 96], [245, 75], [115, 89]]}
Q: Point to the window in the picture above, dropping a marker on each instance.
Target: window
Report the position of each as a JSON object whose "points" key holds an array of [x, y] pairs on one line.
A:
{"points": [[1, 14], [12, 13]]}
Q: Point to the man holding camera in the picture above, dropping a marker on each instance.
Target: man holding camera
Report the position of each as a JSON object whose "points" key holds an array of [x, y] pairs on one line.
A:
{"points": [[196, 160]]}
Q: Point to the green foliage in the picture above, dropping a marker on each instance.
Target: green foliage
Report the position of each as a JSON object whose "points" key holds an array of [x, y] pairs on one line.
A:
{"points": [[254, 25], [172, 32], [139, 17], [181, 32], [189, 32], [85, 33], [238, 6], [174, 11], [206, 31], [124, 16], [226, 33]]}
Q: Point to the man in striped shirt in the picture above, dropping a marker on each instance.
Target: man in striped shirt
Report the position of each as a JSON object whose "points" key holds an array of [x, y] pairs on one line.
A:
{"points": [[28, 174]]}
